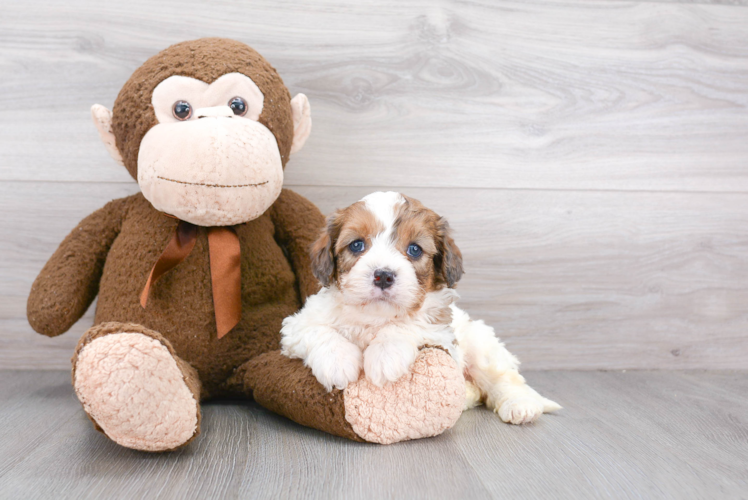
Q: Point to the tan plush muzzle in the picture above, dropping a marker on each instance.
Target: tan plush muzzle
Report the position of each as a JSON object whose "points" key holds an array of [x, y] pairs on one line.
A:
{"points": [[212, 171]]}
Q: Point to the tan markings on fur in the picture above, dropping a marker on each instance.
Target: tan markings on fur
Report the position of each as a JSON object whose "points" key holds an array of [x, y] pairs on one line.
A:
{"points": [[414, 223], [353, 223], [441, 316], [447, 258], [449, 264], [322, 263]]}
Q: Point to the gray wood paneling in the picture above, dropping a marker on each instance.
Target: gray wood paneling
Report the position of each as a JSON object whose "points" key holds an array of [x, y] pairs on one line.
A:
{"points": [[708, 2], [592, 156], [568, 279], [578, 95], [620, 435]]}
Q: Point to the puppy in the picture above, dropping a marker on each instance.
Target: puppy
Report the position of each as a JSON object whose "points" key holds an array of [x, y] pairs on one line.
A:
{"points": [[389, 266]]}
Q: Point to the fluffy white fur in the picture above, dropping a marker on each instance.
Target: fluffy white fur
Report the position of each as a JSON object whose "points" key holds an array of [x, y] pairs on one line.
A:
{"points": [[356, 325]]}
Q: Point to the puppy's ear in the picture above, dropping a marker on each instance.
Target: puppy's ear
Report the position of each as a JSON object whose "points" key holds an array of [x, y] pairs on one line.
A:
{"points": [[323, 260], [448, 260]]}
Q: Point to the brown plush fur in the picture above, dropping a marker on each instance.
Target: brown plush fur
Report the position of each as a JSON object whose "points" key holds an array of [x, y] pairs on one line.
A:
{"points": [[283, 385], [111, 253], [180, 306], [414, 219], [206, 59]]}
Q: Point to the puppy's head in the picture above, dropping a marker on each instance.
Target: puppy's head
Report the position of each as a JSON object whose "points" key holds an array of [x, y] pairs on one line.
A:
{"points": [[387, 252]]}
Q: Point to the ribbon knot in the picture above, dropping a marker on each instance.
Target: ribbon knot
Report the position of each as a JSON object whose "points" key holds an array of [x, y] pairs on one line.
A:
{"points": [[225, 270]]}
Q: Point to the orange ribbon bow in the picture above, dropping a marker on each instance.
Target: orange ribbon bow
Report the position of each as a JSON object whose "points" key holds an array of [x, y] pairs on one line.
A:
{"points": [[225, 270]]}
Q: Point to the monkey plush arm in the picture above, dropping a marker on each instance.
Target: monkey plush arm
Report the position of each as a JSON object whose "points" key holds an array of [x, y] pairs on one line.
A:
{"points": [[298, 223], [69, 281]]}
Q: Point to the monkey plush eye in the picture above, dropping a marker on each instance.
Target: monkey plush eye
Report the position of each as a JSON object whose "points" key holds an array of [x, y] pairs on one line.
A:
{"points": [[182, 110], [238, 106], [357, 246], [414, 250]]}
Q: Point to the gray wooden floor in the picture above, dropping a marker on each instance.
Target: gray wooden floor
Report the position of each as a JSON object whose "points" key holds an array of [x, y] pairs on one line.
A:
{"points": [[633, 434]]}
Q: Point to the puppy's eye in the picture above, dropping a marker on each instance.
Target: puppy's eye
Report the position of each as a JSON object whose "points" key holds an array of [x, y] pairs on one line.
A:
{"points": [[414, 250], [182, 110], [238, 106], [357, 246]]}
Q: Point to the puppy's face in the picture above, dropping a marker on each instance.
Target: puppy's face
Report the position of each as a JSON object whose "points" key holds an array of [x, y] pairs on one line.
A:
{"points": [[386, 252]]}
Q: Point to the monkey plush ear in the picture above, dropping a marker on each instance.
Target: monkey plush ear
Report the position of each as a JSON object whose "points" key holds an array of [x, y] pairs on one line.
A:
{"points": [[302, 121], [102, 118]]}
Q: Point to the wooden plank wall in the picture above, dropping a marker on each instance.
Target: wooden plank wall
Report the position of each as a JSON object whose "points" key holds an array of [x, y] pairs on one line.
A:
{"points": [[591, 156]]}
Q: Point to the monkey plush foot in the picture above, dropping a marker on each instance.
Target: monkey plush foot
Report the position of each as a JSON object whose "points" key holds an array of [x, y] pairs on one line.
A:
{"points": [[423, 403], [135, 390]]}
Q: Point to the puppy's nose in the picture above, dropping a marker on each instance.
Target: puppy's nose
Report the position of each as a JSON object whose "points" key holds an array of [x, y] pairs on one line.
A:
{"points": [[383, 278]]}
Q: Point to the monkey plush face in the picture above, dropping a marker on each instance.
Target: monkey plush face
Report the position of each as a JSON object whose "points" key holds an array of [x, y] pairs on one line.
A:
{"points": [[208, 159], [206, 128]]}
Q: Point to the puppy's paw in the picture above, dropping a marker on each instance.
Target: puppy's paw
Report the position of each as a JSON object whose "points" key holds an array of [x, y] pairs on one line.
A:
{"points": [[520, 410], [388, 361], [337, 367]]}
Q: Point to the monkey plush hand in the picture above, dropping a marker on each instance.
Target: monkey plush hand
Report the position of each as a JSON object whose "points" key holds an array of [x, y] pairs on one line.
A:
{"points": [[195, 274]]}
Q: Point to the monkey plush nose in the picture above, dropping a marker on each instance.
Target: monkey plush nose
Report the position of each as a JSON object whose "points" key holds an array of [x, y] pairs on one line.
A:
{"points": [[383, 278], [214, 112]]}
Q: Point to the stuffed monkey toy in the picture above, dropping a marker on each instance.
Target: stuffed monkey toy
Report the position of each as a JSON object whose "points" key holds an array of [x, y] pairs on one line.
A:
{"points": [[195, 273]]}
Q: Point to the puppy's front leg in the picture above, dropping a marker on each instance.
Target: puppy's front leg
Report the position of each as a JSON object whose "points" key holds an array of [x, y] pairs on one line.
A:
{"points": [[389, 356], [334, 360]]}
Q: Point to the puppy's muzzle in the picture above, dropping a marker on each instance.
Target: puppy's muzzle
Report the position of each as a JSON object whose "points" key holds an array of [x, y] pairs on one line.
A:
{"points": [[384, 278]]}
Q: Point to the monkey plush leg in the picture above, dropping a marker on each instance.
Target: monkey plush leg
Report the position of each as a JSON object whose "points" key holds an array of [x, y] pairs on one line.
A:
{"points": [[135, 389], [425, 402]]}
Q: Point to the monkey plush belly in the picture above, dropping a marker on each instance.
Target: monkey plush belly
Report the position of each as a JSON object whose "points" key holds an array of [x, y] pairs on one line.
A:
{"points": [[180, 306]]}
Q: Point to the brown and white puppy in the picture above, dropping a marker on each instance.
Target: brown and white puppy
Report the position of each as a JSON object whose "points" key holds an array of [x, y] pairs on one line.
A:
{"points": [[388, 266]]}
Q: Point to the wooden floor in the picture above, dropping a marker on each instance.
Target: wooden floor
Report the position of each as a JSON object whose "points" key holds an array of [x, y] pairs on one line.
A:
{"points": [[633, 434]]}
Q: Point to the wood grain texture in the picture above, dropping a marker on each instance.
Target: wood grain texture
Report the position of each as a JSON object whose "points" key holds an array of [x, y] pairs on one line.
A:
{"points": [[708, 2], [552, 95], [620, 435], [568, 279], [591, 155]]}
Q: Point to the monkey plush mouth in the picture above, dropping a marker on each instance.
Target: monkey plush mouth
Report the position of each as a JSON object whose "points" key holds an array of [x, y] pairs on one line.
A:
{"points": [[212, 185], [211, 172]]}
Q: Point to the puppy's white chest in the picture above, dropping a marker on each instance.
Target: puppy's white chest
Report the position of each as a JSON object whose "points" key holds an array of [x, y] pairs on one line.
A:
{"points": [[417, 333], [360, 335]]}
